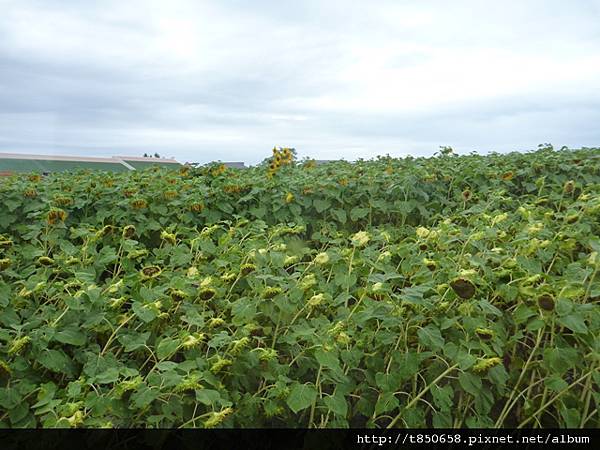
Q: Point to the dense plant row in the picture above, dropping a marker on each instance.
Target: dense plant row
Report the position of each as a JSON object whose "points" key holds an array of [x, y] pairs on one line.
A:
{"points": [[449, 291]]}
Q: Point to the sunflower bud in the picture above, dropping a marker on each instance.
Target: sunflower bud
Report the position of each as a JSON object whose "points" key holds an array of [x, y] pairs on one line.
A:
{"points": [[322, 258], [422, 232], [360, 239], [316, 300]]}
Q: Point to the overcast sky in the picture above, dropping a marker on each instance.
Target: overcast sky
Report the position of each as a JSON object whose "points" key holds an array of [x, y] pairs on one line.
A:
{"points": [[229, 79]]}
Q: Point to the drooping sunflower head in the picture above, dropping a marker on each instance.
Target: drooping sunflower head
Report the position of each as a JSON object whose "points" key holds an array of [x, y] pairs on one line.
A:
{"points": [[63, 201], [170, 195], [34, 178], [216, 418], [507, 176], [4, 263], [139, 203], [271, 292], [177, 295], [430, 264], [105, 231], [137, 254], [466, 195], [290, 261], [5, 369], [192, 340], [55, 216], [5, 242], [171, 238], [546, 302], [245, 269], [215, 322], [484, 333], [129, 231], [30, 193], [484, 364], [239, 345], [45, 261], [464, 288], [569, 187], [150, 272], [228, 277], [17, 345], [289, 197], [206, 293], [196, 207]]}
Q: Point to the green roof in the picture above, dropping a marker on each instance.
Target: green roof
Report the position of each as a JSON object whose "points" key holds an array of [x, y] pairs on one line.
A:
{"points": [[41, 165]]}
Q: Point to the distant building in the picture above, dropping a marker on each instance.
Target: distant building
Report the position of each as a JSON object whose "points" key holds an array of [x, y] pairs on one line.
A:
{"points": [[15, 162], [143, 163], [235, 165], [230, 165]]}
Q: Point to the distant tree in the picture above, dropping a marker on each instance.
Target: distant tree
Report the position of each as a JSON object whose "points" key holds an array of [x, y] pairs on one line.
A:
{"points": [[145, 155], [156, 155]]}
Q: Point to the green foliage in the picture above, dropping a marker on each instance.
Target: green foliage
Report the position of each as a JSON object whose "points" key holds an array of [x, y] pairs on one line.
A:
{"points": [[450, 291]]}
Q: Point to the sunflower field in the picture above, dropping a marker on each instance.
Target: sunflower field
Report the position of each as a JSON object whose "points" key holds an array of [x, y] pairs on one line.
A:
{"points": [[452, 291]]}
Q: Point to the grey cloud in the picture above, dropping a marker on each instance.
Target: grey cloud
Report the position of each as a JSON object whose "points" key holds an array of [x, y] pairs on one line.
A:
{"points": [[256, 77]]}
